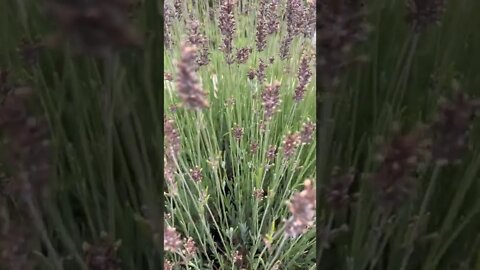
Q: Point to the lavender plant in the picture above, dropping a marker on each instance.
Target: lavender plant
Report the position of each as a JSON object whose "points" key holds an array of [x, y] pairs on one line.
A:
{"points": [[239, 164]]}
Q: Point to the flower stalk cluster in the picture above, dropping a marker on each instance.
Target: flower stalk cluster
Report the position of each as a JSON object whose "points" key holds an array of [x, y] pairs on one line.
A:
{"points": [[227, 26]]}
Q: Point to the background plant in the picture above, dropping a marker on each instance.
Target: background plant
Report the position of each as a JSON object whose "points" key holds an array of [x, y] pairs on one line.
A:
{"points": [[399, 179]]}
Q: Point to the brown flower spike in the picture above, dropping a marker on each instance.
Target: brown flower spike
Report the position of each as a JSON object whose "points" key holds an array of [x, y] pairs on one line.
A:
{"points": [[271, 99], [227, 28], [304, 75], [188, 85]]}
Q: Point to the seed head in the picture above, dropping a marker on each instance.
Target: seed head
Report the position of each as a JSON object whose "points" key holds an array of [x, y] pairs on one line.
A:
{"points": [[188, 85], [271, 99], [302, 207]]}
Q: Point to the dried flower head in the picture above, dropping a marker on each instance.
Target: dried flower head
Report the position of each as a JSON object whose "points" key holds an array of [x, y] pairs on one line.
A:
{"points": [[171, 239], [304, 75], [302, 207], [422, 13], [237, 132], [243, 54], [227, 28], [306, 134], [96, 27], [271, 99], [341, 25], [188, 85], [290, 145], [450, 129], [102, 256], [196, 174]]}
